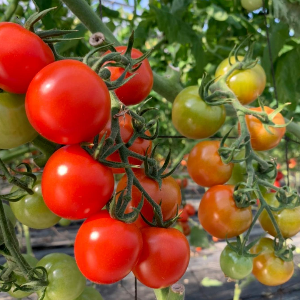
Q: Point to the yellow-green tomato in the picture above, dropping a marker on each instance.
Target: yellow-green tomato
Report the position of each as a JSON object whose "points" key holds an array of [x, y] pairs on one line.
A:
{"points": [[252, 5], [65, 280], [90, 293], [32, 261], [32, 211], [234, 265], [288, 220], [64, 222], [248, 84], [15, 129], [193, 118]]}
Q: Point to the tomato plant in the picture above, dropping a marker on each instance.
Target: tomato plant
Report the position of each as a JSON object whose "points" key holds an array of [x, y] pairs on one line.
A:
{"points": [[205, 165], [193, 118], [234, 265], [219, 215], [251, 5], [140, 146], [269, 269], [21, 58], [74, 185], [248, 84], [120, 245], [90, 293], [288, 220], [261, 139], [15, 129], [141, 83], [32, 211], [164, 258], [168, 195], [65, 280], [65, 113]]}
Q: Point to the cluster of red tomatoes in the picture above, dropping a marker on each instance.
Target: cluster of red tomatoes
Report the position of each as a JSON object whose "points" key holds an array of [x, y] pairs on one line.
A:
{"points": [[218, 213], [67, 103]]}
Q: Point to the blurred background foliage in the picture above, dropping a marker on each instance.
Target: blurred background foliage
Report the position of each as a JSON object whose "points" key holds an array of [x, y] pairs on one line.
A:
{"points": [[192, 36]]}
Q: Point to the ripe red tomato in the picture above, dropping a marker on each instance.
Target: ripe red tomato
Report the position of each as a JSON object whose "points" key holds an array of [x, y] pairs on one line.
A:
{"points": [[267, 268], [288, 220], [186, 229], [292, 163], [205, 165], [139, 87], [74, 185], [219, 215], [106, 250], [248, 84], [182, 182], [22, 55], [139, 146], [190, 209], [169, 195], [184, 216], [164, 258], [193, 118], [67, 102], [261, 139]]}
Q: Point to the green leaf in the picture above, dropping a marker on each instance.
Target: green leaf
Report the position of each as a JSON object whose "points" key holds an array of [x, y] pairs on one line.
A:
{"points": [[278, 36], [287, 74], [48, 20], [198, 237], [107, 12], [180, 6], [207, 282]]}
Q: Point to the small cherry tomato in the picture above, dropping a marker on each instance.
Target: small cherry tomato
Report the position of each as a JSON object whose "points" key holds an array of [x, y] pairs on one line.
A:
{"points": [[22, 55], [205, 165], [186, 228], [119, 244], [248, 84], [219, 215], [74, 185], [234, 265], [193, 118], [137, 88], [90, 293], [182, 182], [164, 259], [252, 5], [190, 209], [183, 215]]}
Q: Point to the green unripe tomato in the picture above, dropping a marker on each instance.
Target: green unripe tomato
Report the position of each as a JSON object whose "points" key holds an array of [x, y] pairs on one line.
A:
{"points": [[90, 293], [235, 266], [9, 214], [15, 129], [193, 118], [32, 261], [32, 211], [251, 5], [64, 222]]}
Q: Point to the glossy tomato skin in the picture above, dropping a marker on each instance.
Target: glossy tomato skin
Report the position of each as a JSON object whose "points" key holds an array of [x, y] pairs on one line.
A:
{"points": [[139, 146], [164, 258], [22, 55], [251, 5], [288, 220], [139, 87], [261, 139], [267, 268], [219, 215], [205, 165], [65, 280], [74, 185], [15, 129], [234, 265], [67, 102], [90, 293], [248, 84], [32, 261], [193, 118], [169, 195], [118, 243], [32, 211]]}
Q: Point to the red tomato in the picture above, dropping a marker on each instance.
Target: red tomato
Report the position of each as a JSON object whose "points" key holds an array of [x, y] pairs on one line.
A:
{"points": [[74, 185], [67, 102], [279, 176], [137, 88], [292, 163], [182, 182], [205, 165], [139, 146], [164, 258], [22, 55], [190, 209], [106, 249], [186, 229], [219, 215], [183, 215], [261, 139], [169, 195]]}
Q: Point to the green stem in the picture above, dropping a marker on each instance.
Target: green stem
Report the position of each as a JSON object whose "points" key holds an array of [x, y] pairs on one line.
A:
{"points": [[175, 292], [27, 239], [161, 294], [9, 155], [11, 9]]}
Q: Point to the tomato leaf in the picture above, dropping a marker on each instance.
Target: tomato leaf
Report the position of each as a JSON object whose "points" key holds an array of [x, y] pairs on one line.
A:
{"points": [[198, 237]]}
